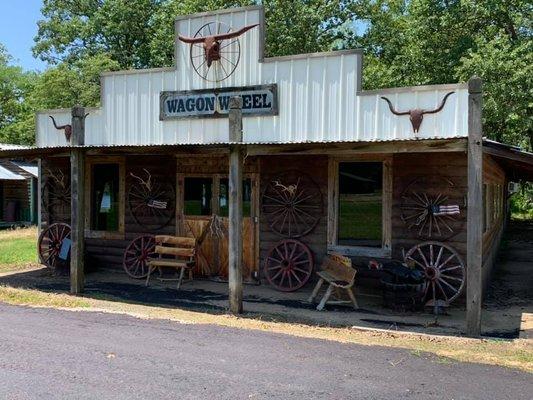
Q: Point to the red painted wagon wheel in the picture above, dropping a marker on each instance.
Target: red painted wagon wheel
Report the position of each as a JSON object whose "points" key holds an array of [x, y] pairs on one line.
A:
{"points": [[292, 204], [137, 255], [444, 270], [288, 265], [433, 208], [49, 245]]}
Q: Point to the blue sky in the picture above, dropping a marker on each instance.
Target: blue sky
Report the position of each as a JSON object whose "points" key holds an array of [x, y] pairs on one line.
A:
{"points": [[18, 27]]}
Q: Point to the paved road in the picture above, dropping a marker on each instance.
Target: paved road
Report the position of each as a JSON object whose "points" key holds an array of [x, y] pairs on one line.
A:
{"points": [[51, 354]]}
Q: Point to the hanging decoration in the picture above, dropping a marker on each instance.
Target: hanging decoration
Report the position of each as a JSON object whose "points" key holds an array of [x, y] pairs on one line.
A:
{"points": [[215, 50], [54, 247], [151, 202], [433, 207], [444, 271], [55, 194], [292, 204], [288, 265], [416, 115]]}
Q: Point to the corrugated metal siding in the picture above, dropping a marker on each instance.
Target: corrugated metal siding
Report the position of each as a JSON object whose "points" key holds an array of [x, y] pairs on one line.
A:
{"points": [[318, 100]]}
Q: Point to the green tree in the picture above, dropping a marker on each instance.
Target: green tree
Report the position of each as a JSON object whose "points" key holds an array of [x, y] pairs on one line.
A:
{"points": [[67, 84], [417, 42], [73, 30], [15, 86]]}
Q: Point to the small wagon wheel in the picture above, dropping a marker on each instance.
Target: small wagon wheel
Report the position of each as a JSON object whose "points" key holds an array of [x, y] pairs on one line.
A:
{"points": [[150, 200], [288, 265], [292, 204], [433, 208], [49, 245], [444, 271], [230, 53], [137, 255]]}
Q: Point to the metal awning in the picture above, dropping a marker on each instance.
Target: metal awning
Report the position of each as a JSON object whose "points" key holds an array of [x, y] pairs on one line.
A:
{"points": [[7, 175], [517, 163]]}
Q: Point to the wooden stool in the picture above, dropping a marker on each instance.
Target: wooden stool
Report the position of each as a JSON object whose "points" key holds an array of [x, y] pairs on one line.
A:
{"points": [[338, 272]]}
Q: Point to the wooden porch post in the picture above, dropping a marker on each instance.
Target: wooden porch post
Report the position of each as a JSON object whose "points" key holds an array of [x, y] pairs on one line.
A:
{"points": [[77, 204], [235, 206], [474, 295]]}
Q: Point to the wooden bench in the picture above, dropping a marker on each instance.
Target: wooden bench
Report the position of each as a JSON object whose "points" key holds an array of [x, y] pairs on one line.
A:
{"points": [[173, 252], [338, 272]]}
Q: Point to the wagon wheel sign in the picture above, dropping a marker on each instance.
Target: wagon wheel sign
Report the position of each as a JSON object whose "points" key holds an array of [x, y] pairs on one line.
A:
{"points": [[292, 204], [433, 208], [215, 50], [150, 201]]}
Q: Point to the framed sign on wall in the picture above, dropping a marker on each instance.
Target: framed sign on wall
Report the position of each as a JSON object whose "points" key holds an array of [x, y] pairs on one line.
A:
{"points": [[213, 103]]}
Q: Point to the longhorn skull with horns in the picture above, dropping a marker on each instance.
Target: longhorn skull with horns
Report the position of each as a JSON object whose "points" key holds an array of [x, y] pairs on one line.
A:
{"points": [[211, 43], [66, 127], [417, 115]]}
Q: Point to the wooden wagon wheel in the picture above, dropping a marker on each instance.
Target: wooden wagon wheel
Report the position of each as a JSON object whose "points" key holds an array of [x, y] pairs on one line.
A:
{"points": [[288, 265], [137, 255], [151, 201], [230, 53], [433, 207], [444, 271], [55, 192], [49, 245], [292, 204]]}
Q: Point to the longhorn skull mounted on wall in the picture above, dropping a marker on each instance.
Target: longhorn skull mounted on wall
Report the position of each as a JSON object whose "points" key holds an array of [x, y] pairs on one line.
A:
{"points": [[211, 43], [417, 115], [67, 127]]}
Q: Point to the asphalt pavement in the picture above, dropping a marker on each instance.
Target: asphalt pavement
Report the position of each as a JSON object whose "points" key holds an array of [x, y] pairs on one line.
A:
{"points": [[53, 354]]}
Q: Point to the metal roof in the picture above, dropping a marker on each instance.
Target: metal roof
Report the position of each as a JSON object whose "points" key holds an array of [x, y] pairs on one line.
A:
{"points": [[36, 151], [7, 175]]}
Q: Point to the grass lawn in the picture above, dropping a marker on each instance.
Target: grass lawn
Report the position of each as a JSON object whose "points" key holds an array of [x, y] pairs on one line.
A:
{"points": [[18, 249]]}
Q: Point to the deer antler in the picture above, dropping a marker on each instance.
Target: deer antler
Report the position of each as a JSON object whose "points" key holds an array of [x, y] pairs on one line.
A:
{"points": [[440, 107], [291, 188], [217, 37], [392, 110], [146, 183], [60, 180]]}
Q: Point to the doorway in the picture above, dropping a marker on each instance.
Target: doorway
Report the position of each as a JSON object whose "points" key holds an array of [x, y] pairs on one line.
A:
{"points": [[202, 213]]}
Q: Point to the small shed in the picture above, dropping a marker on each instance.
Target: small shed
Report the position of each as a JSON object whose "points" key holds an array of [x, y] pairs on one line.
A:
{"points": [[272, 163], [18, 193]]}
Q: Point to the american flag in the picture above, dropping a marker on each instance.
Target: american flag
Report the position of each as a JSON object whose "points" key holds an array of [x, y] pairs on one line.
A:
{"points": [[452, 209], [157, 204]]}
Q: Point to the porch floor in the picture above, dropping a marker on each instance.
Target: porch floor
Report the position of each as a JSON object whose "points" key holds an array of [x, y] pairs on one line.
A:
{"points": [[261, 301]]}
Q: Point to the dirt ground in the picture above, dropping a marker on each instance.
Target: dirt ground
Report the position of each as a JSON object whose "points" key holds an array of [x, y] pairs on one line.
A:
{"points": [[509, 297]]}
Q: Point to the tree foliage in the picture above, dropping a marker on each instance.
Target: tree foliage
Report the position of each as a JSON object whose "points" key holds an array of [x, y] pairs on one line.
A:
{"points": [[15, 86]]}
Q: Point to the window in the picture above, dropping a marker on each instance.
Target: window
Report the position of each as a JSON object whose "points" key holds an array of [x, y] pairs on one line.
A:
{"points": [[360, 204], [105, 197], [246, 197], [360, 199], [198, 193]]}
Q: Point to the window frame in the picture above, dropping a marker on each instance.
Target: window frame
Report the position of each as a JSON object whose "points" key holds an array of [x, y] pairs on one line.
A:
{"points": [[385, 250], [215, 194], [90, 163]]}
